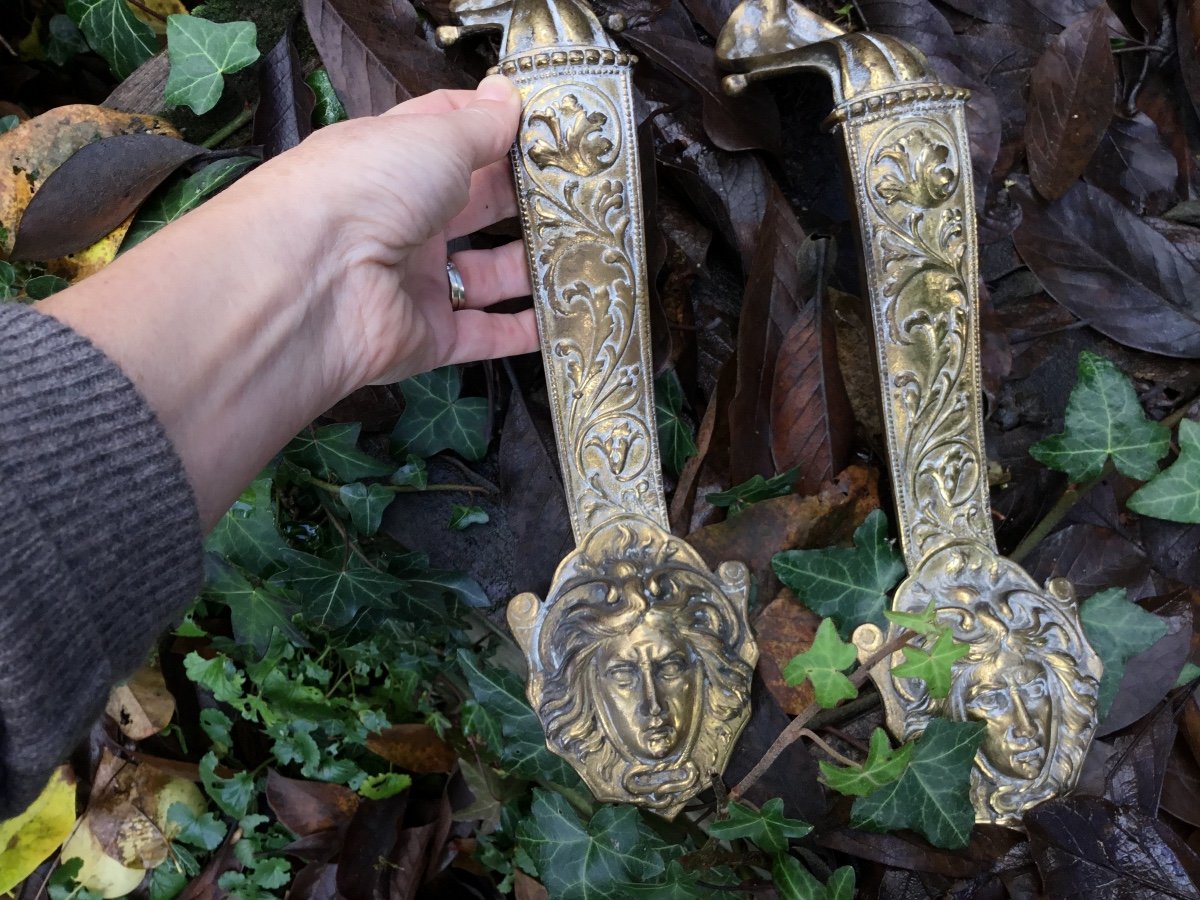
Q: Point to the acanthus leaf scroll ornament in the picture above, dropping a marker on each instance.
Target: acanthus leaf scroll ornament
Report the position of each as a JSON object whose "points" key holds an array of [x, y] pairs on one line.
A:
{"points": [[640, 658], [1030, 675]]}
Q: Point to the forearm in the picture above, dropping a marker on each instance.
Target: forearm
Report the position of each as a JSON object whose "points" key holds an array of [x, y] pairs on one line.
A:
{"points": [[214, 324]]}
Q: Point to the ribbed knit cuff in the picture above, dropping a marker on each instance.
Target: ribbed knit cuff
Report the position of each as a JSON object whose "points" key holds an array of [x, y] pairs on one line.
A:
{"points": [[100, 541]]}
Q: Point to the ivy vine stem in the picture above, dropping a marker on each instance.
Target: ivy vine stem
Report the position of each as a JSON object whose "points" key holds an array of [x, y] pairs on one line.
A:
{"points": [[229, 129], [799, 725]]}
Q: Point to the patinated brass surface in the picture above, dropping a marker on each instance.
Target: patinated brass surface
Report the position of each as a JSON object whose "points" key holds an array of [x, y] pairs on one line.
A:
{"points": [[640, 658], [1030, 675]]}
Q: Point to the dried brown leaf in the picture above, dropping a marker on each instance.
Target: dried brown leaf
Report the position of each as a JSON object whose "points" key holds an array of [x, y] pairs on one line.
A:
{"points": [[414, 747], [1070, 104]]}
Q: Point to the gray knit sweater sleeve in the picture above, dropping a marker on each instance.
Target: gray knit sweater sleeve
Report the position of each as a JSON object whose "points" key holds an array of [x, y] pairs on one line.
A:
{"points": [[100, 543]]}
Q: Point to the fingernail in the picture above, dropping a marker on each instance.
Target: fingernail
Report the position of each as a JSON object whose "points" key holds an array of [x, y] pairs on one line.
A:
{"points": [[495, 87]]}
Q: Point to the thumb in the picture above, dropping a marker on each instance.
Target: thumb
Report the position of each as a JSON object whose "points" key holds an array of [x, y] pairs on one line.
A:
{"points": [[489, 121]]}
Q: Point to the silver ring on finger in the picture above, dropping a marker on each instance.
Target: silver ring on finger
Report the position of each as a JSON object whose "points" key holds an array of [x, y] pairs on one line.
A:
{"points": [[458, 290]]}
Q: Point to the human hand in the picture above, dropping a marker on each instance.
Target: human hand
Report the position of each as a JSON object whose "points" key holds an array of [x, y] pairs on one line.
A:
{"points": [[390, 192], [321, 271]]}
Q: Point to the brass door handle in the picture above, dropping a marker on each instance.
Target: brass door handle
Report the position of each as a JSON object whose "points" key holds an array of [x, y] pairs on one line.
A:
{"points": [[640, 659], [1030, 677]]}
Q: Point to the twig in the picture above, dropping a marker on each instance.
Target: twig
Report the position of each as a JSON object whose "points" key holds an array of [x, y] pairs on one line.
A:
{"points": [[487, 486], [796, 728], [824, 745], [850, 739]]}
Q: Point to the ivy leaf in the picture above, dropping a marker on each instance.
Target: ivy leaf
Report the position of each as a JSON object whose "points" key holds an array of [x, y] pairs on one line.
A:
{"points": [[247, 534], [882, 766], [768, 828], [794, 882], [113, 31], [366, 504], [738, 497], [42, 286], [1118, 630], [202, 53], [848, 585], [435, 417], [414, 473], [255, 612], [183, 196], [932, 797], [932, 666], [924, 622], [218, 728], [1174, 493], [328, 109], [331, 594], [234, 795], [203, 832], [218, 675], [478, 722], [823, 664], [601, 860], [463, 517], [674, 433], [333, 451], [66, 40], [1104, 419], [523, 751]]}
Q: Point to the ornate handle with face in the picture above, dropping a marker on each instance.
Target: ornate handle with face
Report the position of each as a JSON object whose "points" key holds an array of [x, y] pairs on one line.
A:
{"points": [[1030, 676], [640, 658]]}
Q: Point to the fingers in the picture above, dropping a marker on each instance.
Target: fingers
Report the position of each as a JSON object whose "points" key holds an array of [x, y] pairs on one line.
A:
{"points": [[490, 276], [493, 198], [483, 335], [440, 101]]}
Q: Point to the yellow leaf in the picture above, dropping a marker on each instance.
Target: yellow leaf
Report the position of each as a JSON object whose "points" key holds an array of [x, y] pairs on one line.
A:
{"points": [[142, 706], [163, 8], [28, 840]]}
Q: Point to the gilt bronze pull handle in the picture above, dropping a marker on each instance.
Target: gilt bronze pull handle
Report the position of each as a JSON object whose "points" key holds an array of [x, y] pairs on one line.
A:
{"points": [[640, 659], [1030, 677]]}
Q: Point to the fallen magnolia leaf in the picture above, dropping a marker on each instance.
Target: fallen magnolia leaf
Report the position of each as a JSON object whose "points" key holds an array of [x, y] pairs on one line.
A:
{"points": [[413, 747], [310, 807], [96, 189], [142, 706], [29, 839], [34, 149]]}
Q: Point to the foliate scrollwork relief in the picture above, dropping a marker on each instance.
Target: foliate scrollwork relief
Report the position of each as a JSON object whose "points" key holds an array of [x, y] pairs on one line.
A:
{"points": [[640, 663], [588, 266], [916, 211]]}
